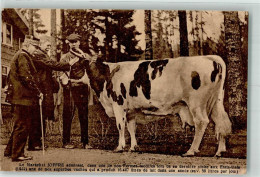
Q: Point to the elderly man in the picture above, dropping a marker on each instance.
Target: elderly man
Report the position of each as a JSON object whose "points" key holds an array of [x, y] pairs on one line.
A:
{"points": [[48, 85], [75, 96], [24, 94]]}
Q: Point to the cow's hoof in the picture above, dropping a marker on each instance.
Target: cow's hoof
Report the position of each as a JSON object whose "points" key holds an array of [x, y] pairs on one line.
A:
{"points": [[135, 149], [218, 154], [190, 153], [118, 150]]}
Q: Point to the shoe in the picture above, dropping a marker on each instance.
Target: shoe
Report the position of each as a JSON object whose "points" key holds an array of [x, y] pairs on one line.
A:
{"points": [[22, 158], [68, 146], [86, 146], [7, 154], [36, 148]]}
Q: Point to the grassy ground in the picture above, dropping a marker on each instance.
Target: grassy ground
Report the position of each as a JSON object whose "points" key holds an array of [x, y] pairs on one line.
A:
{"points": [[164, 136]]}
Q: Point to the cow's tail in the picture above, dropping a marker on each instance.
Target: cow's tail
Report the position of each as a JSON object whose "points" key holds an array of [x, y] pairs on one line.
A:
{"points": [[218, 113]]}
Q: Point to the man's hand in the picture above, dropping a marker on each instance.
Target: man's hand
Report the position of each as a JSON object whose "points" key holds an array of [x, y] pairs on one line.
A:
{"points": [[94, 58], [73, 61], [5, 89], [41, 96]]}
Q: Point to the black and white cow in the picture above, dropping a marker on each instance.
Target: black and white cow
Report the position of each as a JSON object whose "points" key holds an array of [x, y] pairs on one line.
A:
{"points": [[158, 87]]}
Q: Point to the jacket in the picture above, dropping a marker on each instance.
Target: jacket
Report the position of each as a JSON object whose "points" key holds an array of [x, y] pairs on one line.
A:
{"points": [[44, 66], [47, 83], [23, 86], [78, 69]]}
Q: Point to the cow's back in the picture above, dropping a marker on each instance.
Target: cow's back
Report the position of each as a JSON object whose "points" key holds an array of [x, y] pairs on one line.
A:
{"points": [[162, 83]]}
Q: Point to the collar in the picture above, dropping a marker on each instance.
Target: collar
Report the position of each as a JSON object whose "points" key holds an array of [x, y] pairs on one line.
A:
{"points": [[42, 51], [25, 51]]}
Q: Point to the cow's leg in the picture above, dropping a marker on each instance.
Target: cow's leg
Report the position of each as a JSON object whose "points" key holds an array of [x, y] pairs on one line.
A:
{"points": [[201, 121], [222, 126], [131, 126], [120, 115]]}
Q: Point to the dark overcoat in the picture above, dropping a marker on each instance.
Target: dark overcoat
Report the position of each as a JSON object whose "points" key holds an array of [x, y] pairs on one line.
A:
{"points": [[47, 83], [22, 81]]}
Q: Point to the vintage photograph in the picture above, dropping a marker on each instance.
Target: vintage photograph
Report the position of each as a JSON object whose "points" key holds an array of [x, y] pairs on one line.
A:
{"points": [[124, 91]]}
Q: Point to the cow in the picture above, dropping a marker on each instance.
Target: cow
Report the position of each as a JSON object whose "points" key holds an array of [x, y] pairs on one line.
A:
{"points": [[190, 86]]}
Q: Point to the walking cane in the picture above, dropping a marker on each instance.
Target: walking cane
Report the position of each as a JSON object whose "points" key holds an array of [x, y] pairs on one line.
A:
{"points": [[40, 103]]}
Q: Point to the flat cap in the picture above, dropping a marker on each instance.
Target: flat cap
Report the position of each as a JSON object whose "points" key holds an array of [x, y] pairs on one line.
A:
{"points": [[31, 40], [73, 37]]}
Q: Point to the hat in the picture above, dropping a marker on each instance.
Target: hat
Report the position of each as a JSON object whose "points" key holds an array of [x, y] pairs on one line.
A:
{"points": [[73, 37], [31, 40]]}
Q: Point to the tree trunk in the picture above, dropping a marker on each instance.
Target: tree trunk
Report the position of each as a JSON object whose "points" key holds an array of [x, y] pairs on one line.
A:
{"points": [[63, 28], [234, 70], [201, 37], [184, 44], [107, 39], [57, 110], [148, 35], [53, 34], [31, 22]]}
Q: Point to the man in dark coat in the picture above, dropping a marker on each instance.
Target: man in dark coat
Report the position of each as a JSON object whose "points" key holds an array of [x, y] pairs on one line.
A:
{"points": [[48, 85], [24, 94], [75, 96]]}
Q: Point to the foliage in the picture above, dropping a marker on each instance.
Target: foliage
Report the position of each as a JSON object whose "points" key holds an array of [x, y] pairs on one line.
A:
{"points": [[37, 22], [108, 32], [163, 30]]}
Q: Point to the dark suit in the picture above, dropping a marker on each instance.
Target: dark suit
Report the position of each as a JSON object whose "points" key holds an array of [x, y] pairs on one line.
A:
{"points": [[45, 66], [23, 93], [75, 96]]}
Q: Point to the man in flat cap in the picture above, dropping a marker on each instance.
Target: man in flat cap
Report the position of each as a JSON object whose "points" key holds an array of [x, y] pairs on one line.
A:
{"points": [[45, 66], [23, 93], [75, 96]]}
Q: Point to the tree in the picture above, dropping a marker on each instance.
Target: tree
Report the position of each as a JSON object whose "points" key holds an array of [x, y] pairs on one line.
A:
{"points": [[53, 34], [148, 35], [35, 22], [62, 32], [163, 31], [184, 44], [125, 36], [82, 22], [108, 32], [234, 67], [120, 43]]}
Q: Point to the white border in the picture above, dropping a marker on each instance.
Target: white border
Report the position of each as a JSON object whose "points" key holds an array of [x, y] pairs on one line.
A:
{"points": [[253, 6]]}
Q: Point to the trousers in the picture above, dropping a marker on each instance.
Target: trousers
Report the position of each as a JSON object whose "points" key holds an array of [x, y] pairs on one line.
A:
{"points": [[23, 116], [76, 97]]}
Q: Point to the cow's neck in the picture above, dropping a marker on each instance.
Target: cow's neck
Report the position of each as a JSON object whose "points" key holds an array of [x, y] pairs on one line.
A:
{"points": [[98, 73]]}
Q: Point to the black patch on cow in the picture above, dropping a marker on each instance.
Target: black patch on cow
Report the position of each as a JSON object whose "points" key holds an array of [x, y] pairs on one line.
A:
{"points": [[195, 80], [158, 66], [123, 119], [120, 100], [119, 126], [110, 92], [153, 109], [217, 69], [99, 73], [141, 79], [123, 90]]}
